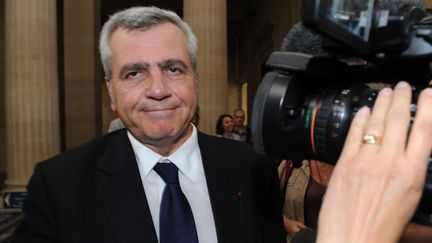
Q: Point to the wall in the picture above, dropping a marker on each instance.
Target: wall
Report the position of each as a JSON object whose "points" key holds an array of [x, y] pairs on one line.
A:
{"points": [[262, 31], [82, 71], [2, 96]]}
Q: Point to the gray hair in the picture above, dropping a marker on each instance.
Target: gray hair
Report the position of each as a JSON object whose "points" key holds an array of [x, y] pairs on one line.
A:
{"points": [[238, 109], [142, 18]]}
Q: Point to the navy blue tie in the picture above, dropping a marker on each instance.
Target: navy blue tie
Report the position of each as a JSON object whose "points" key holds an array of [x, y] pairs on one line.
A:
{"points": [[176, 222]]}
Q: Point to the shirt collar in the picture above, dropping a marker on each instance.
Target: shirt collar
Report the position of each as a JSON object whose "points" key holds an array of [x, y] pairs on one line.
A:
{"points": [[187, 157]]}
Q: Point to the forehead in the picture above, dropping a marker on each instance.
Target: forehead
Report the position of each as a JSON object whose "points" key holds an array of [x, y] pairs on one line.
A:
{"points": [[162, 28], [239, 113], [164, 40]]}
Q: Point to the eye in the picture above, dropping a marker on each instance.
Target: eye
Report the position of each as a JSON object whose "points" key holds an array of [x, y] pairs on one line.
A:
{"points": [[175, 70], [133, 75]]}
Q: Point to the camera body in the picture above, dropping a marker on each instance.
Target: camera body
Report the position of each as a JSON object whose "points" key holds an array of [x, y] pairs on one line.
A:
{"points": [[304, 106]]}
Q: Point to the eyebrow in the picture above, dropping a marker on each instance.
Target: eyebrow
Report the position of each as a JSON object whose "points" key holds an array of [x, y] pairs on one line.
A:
{"points": [[171, 62], [142, 66]]}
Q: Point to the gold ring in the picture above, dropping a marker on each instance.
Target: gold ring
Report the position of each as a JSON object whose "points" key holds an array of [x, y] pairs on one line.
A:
{"points": [[370, 138]]}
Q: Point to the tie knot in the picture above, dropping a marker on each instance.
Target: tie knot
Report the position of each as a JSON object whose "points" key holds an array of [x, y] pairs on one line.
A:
{"points": [[168, 172]]}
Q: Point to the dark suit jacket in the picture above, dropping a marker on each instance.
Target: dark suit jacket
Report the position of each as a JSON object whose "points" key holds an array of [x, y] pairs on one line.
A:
{"points": [[94, 193]]}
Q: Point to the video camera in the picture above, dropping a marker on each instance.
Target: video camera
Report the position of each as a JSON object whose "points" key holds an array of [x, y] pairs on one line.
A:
{"points": [[304, 106]]}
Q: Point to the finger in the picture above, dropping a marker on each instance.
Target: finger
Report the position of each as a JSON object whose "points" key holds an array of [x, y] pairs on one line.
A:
{"points": [[398, 118], [377, 119], [353, 140], [420, 140]]}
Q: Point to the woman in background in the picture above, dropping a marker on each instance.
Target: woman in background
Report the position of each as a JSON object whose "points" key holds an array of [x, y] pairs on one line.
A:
{"points": [[225, 127], [303, 187]]}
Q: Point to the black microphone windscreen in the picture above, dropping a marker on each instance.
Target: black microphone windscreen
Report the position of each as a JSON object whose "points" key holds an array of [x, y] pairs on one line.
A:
{"points": [[394, 6]]}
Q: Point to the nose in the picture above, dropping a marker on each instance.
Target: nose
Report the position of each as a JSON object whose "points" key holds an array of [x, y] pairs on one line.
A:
{"points": [[158, 87]]}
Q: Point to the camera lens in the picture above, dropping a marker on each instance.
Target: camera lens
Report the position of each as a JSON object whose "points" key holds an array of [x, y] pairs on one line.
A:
{"points": [[298, 120], [296, 117]]}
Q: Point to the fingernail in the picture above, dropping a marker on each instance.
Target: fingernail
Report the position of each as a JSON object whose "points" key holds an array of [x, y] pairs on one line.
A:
{"points": [[427, 91], [386, 92], [364, 111], [403, 85]]}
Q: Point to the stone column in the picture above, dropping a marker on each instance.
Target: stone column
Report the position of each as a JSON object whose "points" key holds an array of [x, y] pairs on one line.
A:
{"points": [[208, 20], [31, 108]]}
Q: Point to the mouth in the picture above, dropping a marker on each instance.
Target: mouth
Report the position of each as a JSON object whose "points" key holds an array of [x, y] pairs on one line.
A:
{"points": [[160, 113], [159, 109], [162, 109]]}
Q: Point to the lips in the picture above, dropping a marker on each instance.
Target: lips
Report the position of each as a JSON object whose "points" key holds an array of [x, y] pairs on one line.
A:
{"points": [[160, 113], [158, 107], [160, 110]]}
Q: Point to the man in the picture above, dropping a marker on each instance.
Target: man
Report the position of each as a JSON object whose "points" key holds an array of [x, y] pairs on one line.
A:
{"points": [[113, 188], [240, 128], [102, 191]]}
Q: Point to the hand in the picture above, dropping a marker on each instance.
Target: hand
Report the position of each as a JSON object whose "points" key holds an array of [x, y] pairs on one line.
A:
{"points": [[375, 188], [292, 227]]}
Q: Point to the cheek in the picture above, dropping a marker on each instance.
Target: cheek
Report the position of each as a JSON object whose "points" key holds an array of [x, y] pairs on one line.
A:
{"points": [[188, 95], [126, 99]]}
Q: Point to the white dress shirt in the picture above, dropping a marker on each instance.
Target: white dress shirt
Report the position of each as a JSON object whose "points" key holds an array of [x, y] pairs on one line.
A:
{"points": [[192, 179]]}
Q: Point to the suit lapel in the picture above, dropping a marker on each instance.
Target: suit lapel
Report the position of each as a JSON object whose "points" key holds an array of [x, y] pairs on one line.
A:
{"points": [[122, 193], [227, 192]]}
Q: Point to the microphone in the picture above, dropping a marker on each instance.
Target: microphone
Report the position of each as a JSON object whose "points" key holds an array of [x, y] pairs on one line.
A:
{"points": [[305, 235]]}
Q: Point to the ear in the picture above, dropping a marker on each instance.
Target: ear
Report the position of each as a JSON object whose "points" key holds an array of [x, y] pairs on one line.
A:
{"points": [[109, 85], [197, 84]]}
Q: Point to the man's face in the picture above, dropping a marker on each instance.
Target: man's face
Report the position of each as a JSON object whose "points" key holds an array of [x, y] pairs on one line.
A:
{"points": [[239, 118], [153, 86]]}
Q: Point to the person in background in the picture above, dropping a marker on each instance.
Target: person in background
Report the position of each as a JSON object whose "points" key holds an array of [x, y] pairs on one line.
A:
{"points": [[304, 187], [225, 127], [115, 125], [160, 180], [240, 128], [303, 183]]}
